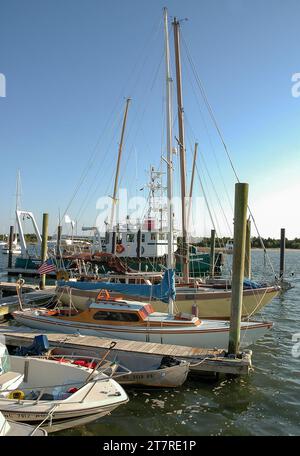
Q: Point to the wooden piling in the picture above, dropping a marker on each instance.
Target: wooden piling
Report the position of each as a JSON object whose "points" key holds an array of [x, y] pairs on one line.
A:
{"points": [[282, 252], [248, 250], [212, 252], [114, 242], [44, 248], [10, 246], [238, 265]]}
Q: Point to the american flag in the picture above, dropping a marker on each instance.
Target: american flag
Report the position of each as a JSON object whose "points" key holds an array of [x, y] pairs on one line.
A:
{"points": [[47, 266]]}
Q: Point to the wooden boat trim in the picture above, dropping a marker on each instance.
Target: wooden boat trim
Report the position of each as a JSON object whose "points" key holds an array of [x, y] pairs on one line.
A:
{"points": [[145, 330]]}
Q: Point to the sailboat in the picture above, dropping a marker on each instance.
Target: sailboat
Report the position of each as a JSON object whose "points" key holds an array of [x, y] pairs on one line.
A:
{"points": [[190, 297], [132, 320]]}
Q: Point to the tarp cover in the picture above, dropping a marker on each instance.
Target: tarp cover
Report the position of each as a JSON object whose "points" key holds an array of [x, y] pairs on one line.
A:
{"points": [[162, 291]]}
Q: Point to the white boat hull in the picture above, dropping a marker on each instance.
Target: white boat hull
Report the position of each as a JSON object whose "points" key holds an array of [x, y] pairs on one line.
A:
{"points": [[210, 333], [93, 397]]}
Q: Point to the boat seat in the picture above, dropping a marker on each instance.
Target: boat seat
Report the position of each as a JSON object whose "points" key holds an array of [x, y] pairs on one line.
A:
{"points": [[10, 381]]}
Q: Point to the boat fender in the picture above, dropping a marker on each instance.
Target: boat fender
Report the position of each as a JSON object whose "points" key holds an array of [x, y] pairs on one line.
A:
{"points": [[17, 394]]}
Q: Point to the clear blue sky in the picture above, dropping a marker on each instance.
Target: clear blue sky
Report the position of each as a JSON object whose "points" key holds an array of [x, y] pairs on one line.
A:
{"points": [[69, 65]]}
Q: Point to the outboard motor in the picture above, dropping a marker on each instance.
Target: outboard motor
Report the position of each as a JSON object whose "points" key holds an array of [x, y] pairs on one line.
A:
{"points": [[39, 346], [168, 361]]}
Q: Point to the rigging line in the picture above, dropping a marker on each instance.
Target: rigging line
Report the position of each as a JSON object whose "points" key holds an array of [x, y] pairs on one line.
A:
{"points": [[153, 37], [213, 186], [208, 135], [209, 107], [84, 173], [142, 115], [205, 198], [90, 163], [99, 169], [211, 112]]}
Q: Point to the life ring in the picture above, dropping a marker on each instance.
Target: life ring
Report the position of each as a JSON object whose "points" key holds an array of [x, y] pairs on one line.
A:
{"points": [[17, 394], [120, 248], [103, 295]]}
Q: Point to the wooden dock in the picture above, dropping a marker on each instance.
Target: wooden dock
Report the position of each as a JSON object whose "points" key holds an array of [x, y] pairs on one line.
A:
{"points": [[9, 288], [11, 303], [27, 272], [201, 360]]}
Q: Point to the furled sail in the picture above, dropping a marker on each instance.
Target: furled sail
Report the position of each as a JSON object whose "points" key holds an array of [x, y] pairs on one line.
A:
{"points": [[162, 291]]}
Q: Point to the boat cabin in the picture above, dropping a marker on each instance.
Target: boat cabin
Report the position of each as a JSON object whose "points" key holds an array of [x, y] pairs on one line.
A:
{"points": [[119, 312], [153, 241]]}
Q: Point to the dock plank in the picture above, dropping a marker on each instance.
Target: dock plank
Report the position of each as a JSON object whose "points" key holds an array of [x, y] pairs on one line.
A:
{"points": [[202, 360]]}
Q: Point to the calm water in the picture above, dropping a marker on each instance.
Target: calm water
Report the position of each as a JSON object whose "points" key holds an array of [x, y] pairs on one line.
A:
{"points": [[265, 403]]}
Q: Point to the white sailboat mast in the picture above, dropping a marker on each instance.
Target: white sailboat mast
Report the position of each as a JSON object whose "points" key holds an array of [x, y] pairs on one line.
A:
{"points": [[114, 198], [169, 153], [169, 143]]}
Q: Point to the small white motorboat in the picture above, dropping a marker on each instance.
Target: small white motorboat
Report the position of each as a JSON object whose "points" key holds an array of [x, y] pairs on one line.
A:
{"points": [[143, 370], [13, 429], [54, 395]]}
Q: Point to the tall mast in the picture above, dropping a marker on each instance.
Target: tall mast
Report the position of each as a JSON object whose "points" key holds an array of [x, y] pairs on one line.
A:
{"points": [[114, 198], [185, 253], [170, 260]]}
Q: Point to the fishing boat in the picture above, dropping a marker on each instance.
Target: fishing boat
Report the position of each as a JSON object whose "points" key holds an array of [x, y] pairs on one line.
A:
{"points": [[132, 320], [13, 429], [57, 394]]}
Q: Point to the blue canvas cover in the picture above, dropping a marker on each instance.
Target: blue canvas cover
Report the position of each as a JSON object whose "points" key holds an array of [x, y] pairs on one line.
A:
{"points": [[162, 291]]}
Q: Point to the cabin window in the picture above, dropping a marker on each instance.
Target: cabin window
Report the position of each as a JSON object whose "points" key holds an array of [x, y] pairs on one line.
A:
{"points": [[153, 236], [130, 237], [162, 236], [115, 316], [143, 237]]}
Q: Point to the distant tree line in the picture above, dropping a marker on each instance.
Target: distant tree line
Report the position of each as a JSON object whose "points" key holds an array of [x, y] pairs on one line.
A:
{"points": [[205, 242], [255, 243], [30, 237]]}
